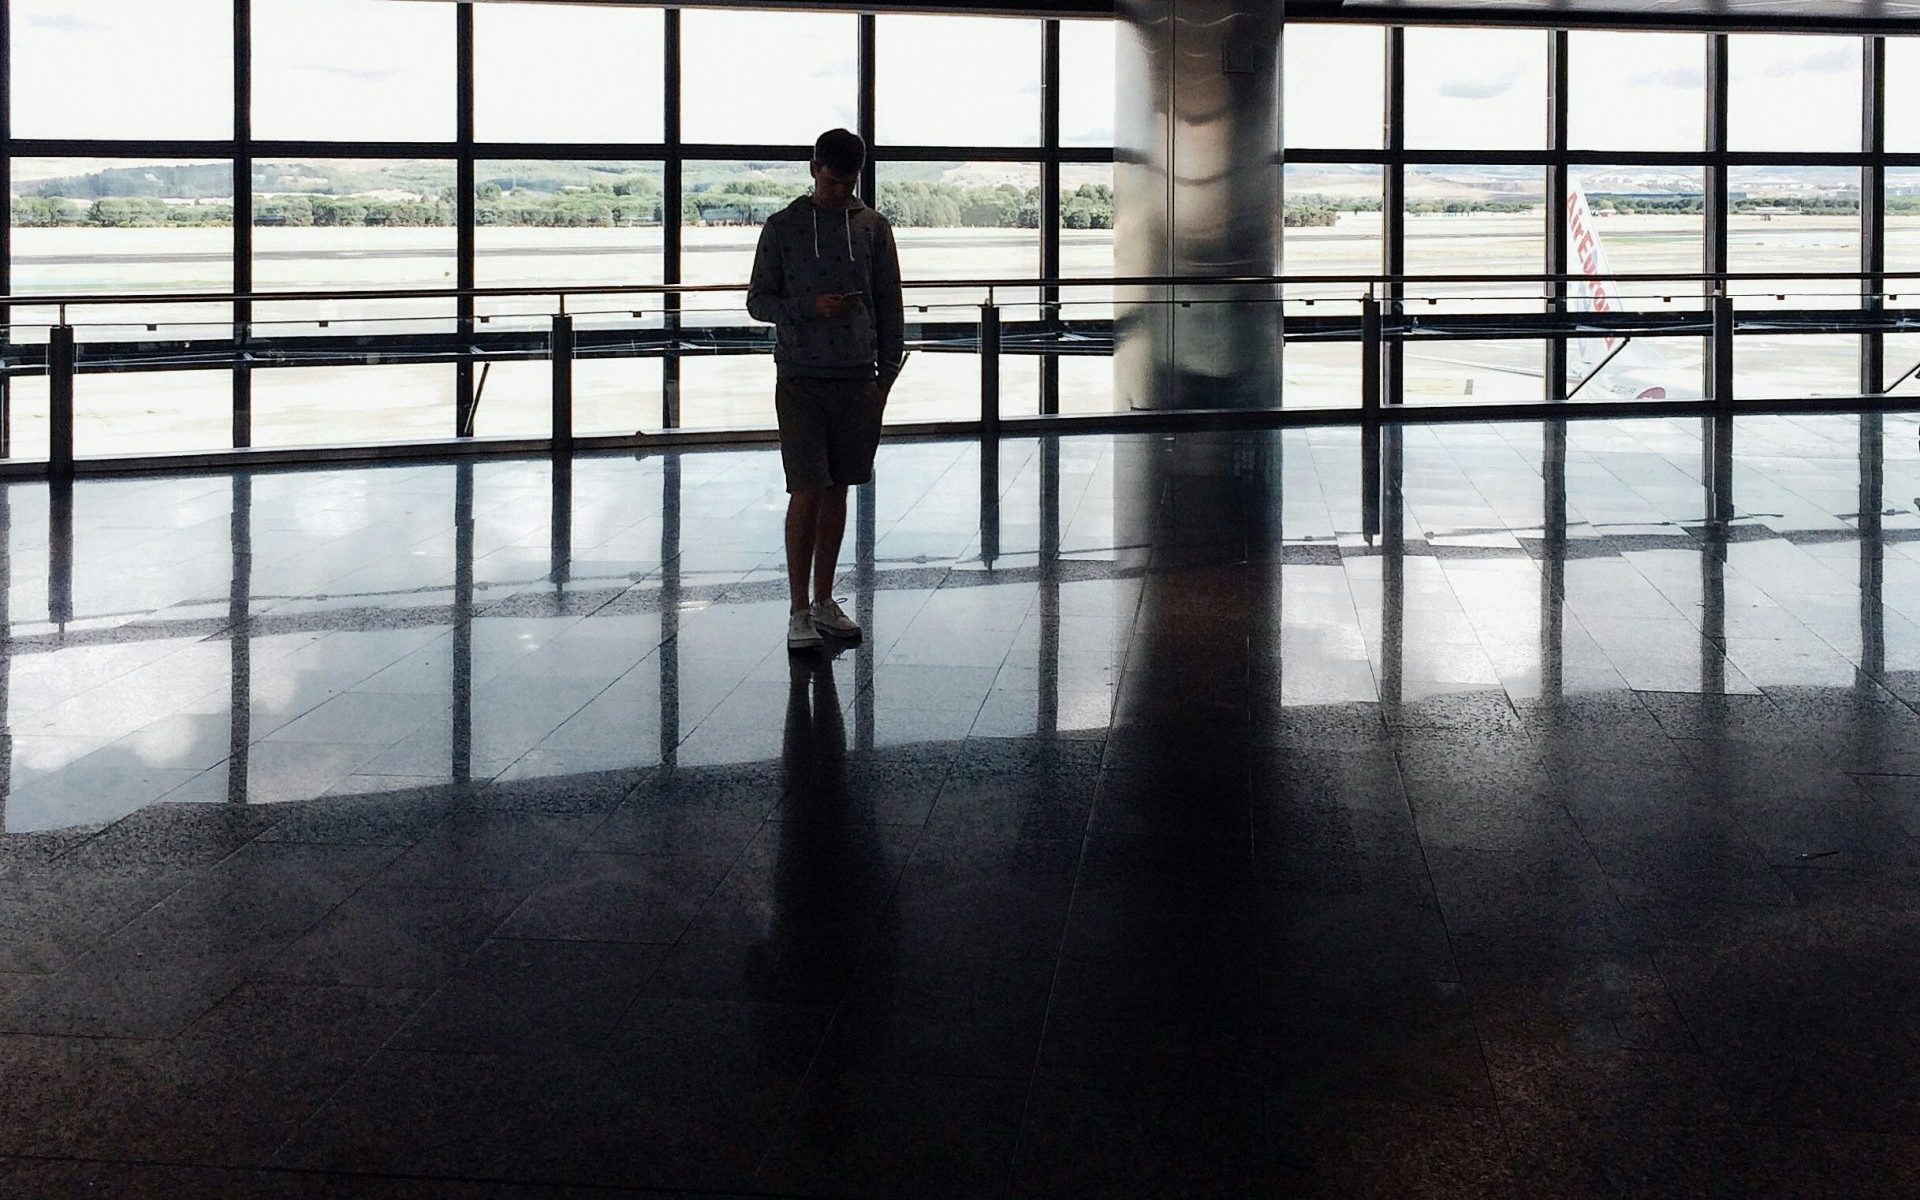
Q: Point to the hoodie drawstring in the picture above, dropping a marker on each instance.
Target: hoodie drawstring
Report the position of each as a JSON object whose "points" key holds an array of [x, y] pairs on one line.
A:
{"points": [[814, 212]]}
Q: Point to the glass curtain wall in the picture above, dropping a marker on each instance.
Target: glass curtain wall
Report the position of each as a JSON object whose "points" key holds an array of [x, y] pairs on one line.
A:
{"points": [[413, 143], [1478, 157], [418, 144]]}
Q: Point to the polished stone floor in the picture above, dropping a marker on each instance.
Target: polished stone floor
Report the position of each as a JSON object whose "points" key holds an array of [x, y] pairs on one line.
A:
{"points": [[1475, 810]]}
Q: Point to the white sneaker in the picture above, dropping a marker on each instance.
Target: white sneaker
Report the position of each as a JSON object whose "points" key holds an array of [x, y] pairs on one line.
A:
{"points": [[801, 634], [828, 618]]}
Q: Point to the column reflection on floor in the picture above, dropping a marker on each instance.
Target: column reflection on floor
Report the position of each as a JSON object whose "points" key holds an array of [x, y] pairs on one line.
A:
{"points": [[240, 639]]}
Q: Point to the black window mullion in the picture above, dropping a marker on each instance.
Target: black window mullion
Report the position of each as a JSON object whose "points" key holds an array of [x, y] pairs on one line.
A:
{"points": [[1714, 236], [1873, 209], [466, 247], [867, 105], [672, 193], [242, 216], [1394, 205], [1558, 188], [1050, 204]]}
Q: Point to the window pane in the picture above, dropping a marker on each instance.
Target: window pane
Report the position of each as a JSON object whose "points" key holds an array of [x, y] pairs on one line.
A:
{"points": [[336, 224], [1476, 89], [1903, 93], [963, 221], [1794, 219], [122, 69], [1086, 83], [1903, 223], [1086, 238], [1636, 220], [1335, 86], [566, 224], [725, 204], [930, 87], [1475, 220], [104, 225], [1793, 92], [1332, 226], [770, 78], [606, 87], [375, 69], [1637, 91]]}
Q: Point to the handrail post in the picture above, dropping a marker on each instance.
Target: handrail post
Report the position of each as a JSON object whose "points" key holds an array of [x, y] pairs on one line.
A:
{"points": [[1722, 348], [60, 369], [562, 384], [1370, 356], [989, 370]]}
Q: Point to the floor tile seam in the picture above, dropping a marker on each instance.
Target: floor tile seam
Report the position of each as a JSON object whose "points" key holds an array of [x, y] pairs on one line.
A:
{"points": [[666, 953], [1053, 992], [1446, 926]]}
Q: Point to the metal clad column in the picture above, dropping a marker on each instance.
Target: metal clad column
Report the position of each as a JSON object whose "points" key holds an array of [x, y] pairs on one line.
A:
{"points": [[1197, 191]]}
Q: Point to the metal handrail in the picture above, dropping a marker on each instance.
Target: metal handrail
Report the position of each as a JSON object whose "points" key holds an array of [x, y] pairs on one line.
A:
{"points": [[96, 299]]}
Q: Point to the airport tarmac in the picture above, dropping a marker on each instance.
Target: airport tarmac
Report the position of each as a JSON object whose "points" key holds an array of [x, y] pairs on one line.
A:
{"points": [[189, 410]]}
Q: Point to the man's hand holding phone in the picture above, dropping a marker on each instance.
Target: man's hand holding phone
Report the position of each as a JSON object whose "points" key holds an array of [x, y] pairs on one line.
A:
{"points": [[836, 304]]}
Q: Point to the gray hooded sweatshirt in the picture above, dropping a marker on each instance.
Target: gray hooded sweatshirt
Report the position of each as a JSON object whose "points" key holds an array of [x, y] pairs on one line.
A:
{"points": [[807, 251]]}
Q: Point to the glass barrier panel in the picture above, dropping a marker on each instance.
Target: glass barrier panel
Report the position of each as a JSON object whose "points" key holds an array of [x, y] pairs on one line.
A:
{"points": [[320, 406], [610, 395], [1320, 375], [726, 391], [945, 386], [1505, 371], [1086, 383], [1795, 366]]}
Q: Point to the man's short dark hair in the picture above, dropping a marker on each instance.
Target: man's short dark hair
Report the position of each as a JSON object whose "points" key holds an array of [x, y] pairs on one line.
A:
{"points": [[840, 151]]}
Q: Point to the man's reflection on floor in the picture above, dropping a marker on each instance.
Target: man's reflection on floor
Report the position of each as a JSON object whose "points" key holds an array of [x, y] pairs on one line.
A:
{"points": [[814, 749], [831, 874]]}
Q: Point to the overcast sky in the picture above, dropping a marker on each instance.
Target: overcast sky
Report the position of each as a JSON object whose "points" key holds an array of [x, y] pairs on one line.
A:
{"points": [[383, 69]]}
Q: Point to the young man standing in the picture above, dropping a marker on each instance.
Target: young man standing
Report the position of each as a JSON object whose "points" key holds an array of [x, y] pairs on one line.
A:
{"points": [[827, 277]]}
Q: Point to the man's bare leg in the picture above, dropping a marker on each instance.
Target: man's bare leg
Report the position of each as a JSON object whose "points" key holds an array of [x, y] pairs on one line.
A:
{"points": [[803, 526], [829, 528]]}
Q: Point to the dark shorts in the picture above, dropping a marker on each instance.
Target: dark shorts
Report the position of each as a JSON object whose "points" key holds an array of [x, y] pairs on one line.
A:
{"points": [[829, 430]]}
